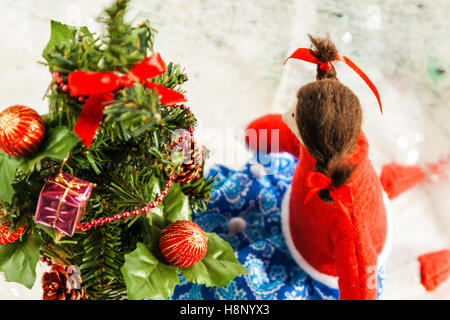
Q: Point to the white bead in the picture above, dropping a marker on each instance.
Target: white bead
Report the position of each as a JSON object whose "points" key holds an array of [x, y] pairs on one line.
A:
{"points": [[257, 170], [236, 225]]}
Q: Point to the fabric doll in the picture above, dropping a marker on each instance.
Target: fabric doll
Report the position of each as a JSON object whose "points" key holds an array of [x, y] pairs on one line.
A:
{"points": [[334, 218], [310, 220], [339, 234]]}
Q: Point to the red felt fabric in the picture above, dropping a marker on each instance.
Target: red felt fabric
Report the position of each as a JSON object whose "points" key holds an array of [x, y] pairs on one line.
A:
{"points": [[397, 178], [434, 268], [355, 259], [330, 241], [271, 130]]}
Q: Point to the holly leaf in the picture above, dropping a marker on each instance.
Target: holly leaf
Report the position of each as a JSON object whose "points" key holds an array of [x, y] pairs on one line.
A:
{"points": [[18, 260], [176, 205], [57, 144], [146, 277], [218, 267], [60, 32], [8, 166]]}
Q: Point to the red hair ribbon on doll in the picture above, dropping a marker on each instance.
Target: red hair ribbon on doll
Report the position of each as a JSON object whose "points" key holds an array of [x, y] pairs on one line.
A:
{"points": [[342, 195], [305, 55]]}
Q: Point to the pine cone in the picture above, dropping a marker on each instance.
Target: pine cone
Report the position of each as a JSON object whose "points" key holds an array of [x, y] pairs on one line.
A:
{"points": [[193, 160], [76, 294], [55, 285]]}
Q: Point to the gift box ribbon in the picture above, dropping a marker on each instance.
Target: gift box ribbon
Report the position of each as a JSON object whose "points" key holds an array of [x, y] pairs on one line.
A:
{"points": [[69, 186], [100, 87]]}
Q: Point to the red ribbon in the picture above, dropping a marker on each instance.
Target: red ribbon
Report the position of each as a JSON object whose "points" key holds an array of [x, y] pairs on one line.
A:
{"points": [[305, 55], [342, 195], [100, 87]]}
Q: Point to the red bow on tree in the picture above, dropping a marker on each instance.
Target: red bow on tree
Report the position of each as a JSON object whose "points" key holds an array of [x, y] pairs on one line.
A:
{"points": [[100, 87], [305, 55], [342, 195]]}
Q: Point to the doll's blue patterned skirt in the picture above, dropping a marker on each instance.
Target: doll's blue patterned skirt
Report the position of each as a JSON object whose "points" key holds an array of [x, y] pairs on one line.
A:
{"points": [[254, 194]]}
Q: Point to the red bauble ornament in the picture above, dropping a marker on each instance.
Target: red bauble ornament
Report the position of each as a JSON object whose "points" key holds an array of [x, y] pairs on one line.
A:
{"points": [[9, 237], [183, 243], [21, 131]]}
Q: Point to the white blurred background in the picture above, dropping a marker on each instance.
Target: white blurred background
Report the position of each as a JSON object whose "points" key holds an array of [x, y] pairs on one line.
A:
{"points": [[233, 53]]}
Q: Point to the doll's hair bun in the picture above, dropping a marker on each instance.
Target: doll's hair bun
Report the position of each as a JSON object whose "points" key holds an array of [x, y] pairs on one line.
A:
{"points": [[325, 51]]}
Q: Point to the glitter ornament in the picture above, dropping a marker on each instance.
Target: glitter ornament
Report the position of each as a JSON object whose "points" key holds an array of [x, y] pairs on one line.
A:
{"points": [[21, 131], [183, 243], [9, 237], [62, 202]]}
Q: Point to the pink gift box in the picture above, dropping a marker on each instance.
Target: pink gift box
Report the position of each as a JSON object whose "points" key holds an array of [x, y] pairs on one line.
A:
{"points": [[62, 202]]}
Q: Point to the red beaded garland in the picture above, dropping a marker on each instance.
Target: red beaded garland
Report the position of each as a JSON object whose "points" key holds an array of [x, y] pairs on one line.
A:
{"points": [[183, 243], [21, 131], [125, 215], [134, 213]]}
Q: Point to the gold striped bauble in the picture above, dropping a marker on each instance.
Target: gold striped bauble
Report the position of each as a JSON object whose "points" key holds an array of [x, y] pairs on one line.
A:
{"points": [[21, 131], [9, 237], [183, 243]]}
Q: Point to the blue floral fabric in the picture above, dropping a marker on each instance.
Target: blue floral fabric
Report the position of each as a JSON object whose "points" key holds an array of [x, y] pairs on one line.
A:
{"points": [[254, 194]]}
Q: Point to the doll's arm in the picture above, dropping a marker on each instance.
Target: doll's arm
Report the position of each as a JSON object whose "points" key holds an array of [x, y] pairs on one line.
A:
{"points": [[355, 260], [271, 131]]}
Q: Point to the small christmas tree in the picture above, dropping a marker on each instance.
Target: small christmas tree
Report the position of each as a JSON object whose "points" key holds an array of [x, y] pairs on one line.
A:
{"points": [[116, 164]]}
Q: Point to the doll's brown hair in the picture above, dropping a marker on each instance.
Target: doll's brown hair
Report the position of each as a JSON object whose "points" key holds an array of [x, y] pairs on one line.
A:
{"points": [[329, 118]]}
